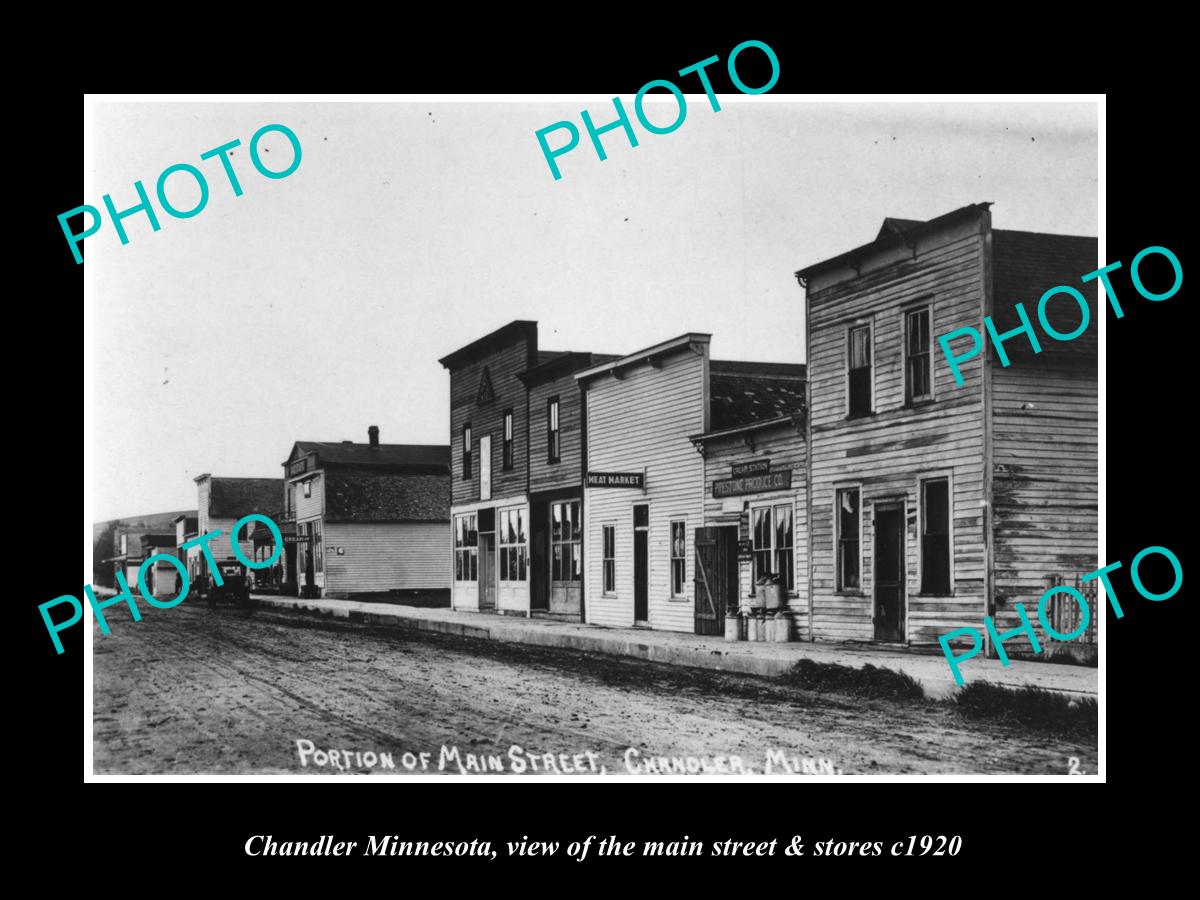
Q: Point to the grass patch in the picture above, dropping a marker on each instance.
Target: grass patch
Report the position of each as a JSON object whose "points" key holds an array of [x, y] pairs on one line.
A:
{"points": [[868, 681], [1029, 707]]}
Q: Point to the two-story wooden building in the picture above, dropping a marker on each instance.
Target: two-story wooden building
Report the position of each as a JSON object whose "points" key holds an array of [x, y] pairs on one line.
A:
{"points": [[755, 493], [555, 468], [221, 503], [368, 518], [933, 504]]}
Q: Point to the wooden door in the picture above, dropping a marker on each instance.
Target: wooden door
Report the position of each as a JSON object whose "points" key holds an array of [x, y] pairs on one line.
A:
{"points": [[566, 533], [716, 577], [641, 563], [487, 571], [889, 572]]}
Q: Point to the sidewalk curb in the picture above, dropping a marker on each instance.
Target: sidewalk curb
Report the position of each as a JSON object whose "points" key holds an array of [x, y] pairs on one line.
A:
{"points": [[739, 658]]}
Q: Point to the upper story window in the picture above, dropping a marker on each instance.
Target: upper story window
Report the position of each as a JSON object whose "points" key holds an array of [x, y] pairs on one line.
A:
{"points": [[507, 457], [308, 488], [918, 380], [466, 451], [555, 446], [859, 382]]}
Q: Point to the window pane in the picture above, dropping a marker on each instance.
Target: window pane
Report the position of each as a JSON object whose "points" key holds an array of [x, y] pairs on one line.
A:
{"points": [[520, 526], [610, 576], [935, 541], [860, 391], [576, 563], [787, 571], [556, 563], [762, 564], [474, 565], [522, 564], [783, 526], [762, 528], [860, 349], [458, 566]]}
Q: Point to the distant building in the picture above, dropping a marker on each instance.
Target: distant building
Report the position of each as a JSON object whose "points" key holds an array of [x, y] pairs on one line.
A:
{"points": [[368, 518], [222, 502], [161, 577]]}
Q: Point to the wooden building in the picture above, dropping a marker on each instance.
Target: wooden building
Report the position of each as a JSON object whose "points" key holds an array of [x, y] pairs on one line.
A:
{"points": [[555, 467], [932, 504], [489, 452], [221, 503], [368, 519], [161, 578], [755, 494], [644, 487], [186, 528]]}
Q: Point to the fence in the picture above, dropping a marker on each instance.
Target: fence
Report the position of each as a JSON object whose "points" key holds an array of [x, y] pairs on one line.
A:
{"points": [[1064, 613]]}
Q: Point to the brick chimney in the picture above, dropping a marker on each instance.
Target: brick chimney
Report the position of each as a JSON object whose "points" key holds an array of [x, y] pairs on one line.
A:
{"points": [[373, 436]]}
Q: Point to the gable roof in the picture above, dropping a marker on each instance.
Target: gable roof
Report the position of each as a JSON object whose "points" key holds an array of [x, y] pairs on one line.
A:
{"points": [[431, 459], [232, 498], [353, 495], [745, 393], [893, 233]]}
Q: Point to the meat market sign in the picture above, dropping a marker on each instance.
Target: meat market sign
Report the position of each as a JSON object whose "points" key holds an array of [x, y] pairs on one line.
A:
{"points": [[616, 479], [753, 484]]}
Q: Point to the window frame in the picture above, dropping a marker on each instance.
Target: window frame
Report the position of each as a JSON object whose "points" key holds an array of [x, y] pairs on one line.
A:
{"points": [[682, 593], [838, 587], [925, 305], [574, 509], [553, 430], [608, 564], [507, 429], [869, 324], [505, 548], [468, 443], [465, 549], [771, 506], [307, 488], [946, 475]]}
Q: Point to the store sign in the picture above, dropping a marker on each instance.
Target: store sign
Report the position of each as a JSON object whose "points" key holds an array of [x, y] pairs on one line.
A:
{"points": [[616, 479], [758, 467], [295, 539], [753, 484]]}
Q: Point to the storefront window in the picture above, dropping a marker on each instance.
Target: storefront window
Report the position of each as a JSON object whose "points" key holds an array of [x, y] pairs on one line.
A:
{"points": [[466, 551], [774, 543], [565, 536], [514, 555]]}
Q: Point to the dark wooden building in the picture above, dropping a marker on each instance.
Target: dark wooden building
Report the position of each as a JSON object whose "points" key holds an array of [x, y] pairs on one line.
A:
{"points": [[933, 504]]}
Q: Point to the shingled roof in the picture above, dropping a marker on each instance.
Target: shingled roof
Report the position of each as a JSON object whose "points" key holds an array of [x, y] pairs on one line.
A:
{"points": [[355, 495], [1025, 265], [742, 393], [237, 497], [430, 459]]}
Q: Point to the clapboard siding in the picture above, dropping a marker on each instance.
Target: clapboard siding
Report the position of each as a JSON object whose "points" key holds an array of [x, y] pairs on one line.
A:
{"points": [[1045, 480], [543, 474], [889, 451], [221, 545], [314, 505], [488, 419], [644, 420], [386, 556], [785, 447]]}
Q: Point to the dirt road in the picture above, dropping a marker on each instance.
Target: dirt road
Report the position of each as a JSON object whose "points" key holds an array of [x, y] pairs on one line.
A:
{"points": [[192, 690]]}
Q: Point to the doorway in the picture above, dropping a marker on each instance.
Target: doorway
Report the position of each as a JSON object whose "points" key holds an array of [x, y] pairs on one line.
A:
{"points": [[641, 564], [487, 571], [889, 572], [716, 576]]}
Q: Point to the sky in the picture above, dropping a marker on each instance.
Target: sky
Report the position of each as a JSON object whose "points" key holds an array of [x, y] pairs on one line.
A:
{"points": [[315, 305]]}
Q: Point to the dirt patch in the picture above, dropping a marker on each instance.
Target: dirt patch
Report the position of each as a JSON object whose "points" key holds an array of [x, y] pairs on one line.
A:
{"points": [[192, 690]]}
